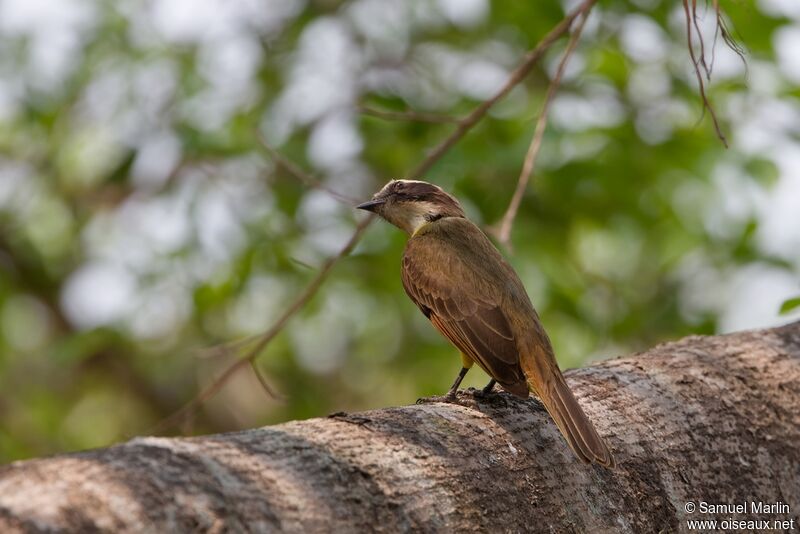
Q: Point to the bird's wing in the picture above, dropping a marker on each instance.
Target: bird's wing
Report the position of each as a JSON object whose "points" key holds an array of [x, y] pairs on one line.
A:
{"points": [[463, 305], [462, 284]]}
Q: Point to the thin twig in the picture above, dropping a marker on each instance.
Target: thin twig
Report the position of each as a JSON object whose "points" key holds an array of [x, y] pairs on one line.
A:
{"points": [[699, 76], [716, 37], [466, 124], [504, 233], [271, 393], [226, 347], [730, 42], [300, 174], [409, 115], [310, 290], [701, 40]]}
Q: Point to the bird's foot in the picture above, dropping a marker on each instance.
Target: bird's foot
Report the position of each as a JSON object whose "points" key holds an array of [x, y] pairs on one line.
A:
{"points": [[485, 392], [481, 393]]}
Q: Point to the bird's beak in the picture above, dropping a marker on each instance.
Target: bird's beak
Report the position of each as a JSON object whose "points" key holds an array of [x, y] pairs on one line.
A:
{"points": [[370, 205]]}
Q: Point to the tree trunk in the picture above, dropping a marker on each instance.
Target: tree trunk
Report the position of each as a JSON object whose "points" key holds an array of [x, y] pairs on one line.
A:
{"points": [[705, 419]]}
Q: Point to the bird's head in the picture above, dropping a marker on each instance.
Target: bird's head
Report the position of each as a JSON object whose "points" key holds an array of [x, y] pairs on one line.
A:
{"points": [[409, 204]]}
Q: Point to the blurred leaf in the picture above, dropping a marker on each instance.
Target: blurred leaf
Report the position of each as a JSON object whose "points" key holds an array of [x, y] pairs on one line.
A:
{"points": [[789, 305]]}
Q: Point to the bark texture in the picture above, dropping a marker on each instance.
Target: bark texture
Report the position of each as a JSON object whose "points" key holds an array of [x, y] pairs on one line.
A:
{"points": [[713, 419]]}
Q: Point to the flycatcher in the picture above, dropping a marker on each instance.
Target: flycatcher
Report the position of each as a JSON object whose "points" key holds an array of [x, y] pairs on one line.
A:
{"points": [[473, 297]]}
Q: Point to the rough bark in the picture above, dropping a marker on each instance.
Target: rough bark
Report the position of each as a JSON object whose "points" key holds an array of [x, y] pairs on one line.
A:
{"points": [[710, 419]]}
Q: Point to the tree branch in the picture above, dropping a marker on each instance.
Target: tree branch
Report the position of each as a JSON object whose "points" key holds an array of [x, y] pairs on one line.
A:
{"points": [[504, 233], [709, 419]]}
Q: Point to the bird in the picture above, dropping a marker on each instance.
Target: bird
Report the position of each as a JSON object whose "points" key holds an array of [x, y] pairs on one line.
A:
{"points": [[474, 298]]}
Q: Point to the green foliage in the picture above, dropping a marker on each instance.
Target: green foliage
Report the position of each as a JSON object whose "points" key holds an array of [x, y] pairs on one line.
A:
{"points": [[141, 222], [790, 305]]}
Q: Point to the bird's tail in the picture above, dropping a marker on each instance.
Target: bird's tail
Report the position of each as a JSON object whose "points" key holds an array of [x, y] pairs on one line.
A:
{"points": [[563, 407]]}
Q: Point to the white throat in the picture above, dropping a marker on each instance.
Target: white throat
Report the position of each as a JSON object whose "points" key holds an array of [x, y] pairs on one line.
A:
{"points": [[413, 216]]}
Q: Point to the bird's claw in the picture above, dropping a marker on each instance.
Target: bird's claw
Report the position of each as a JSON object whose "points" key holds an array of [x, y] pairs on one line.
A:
{"points": [[480, 393]]}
